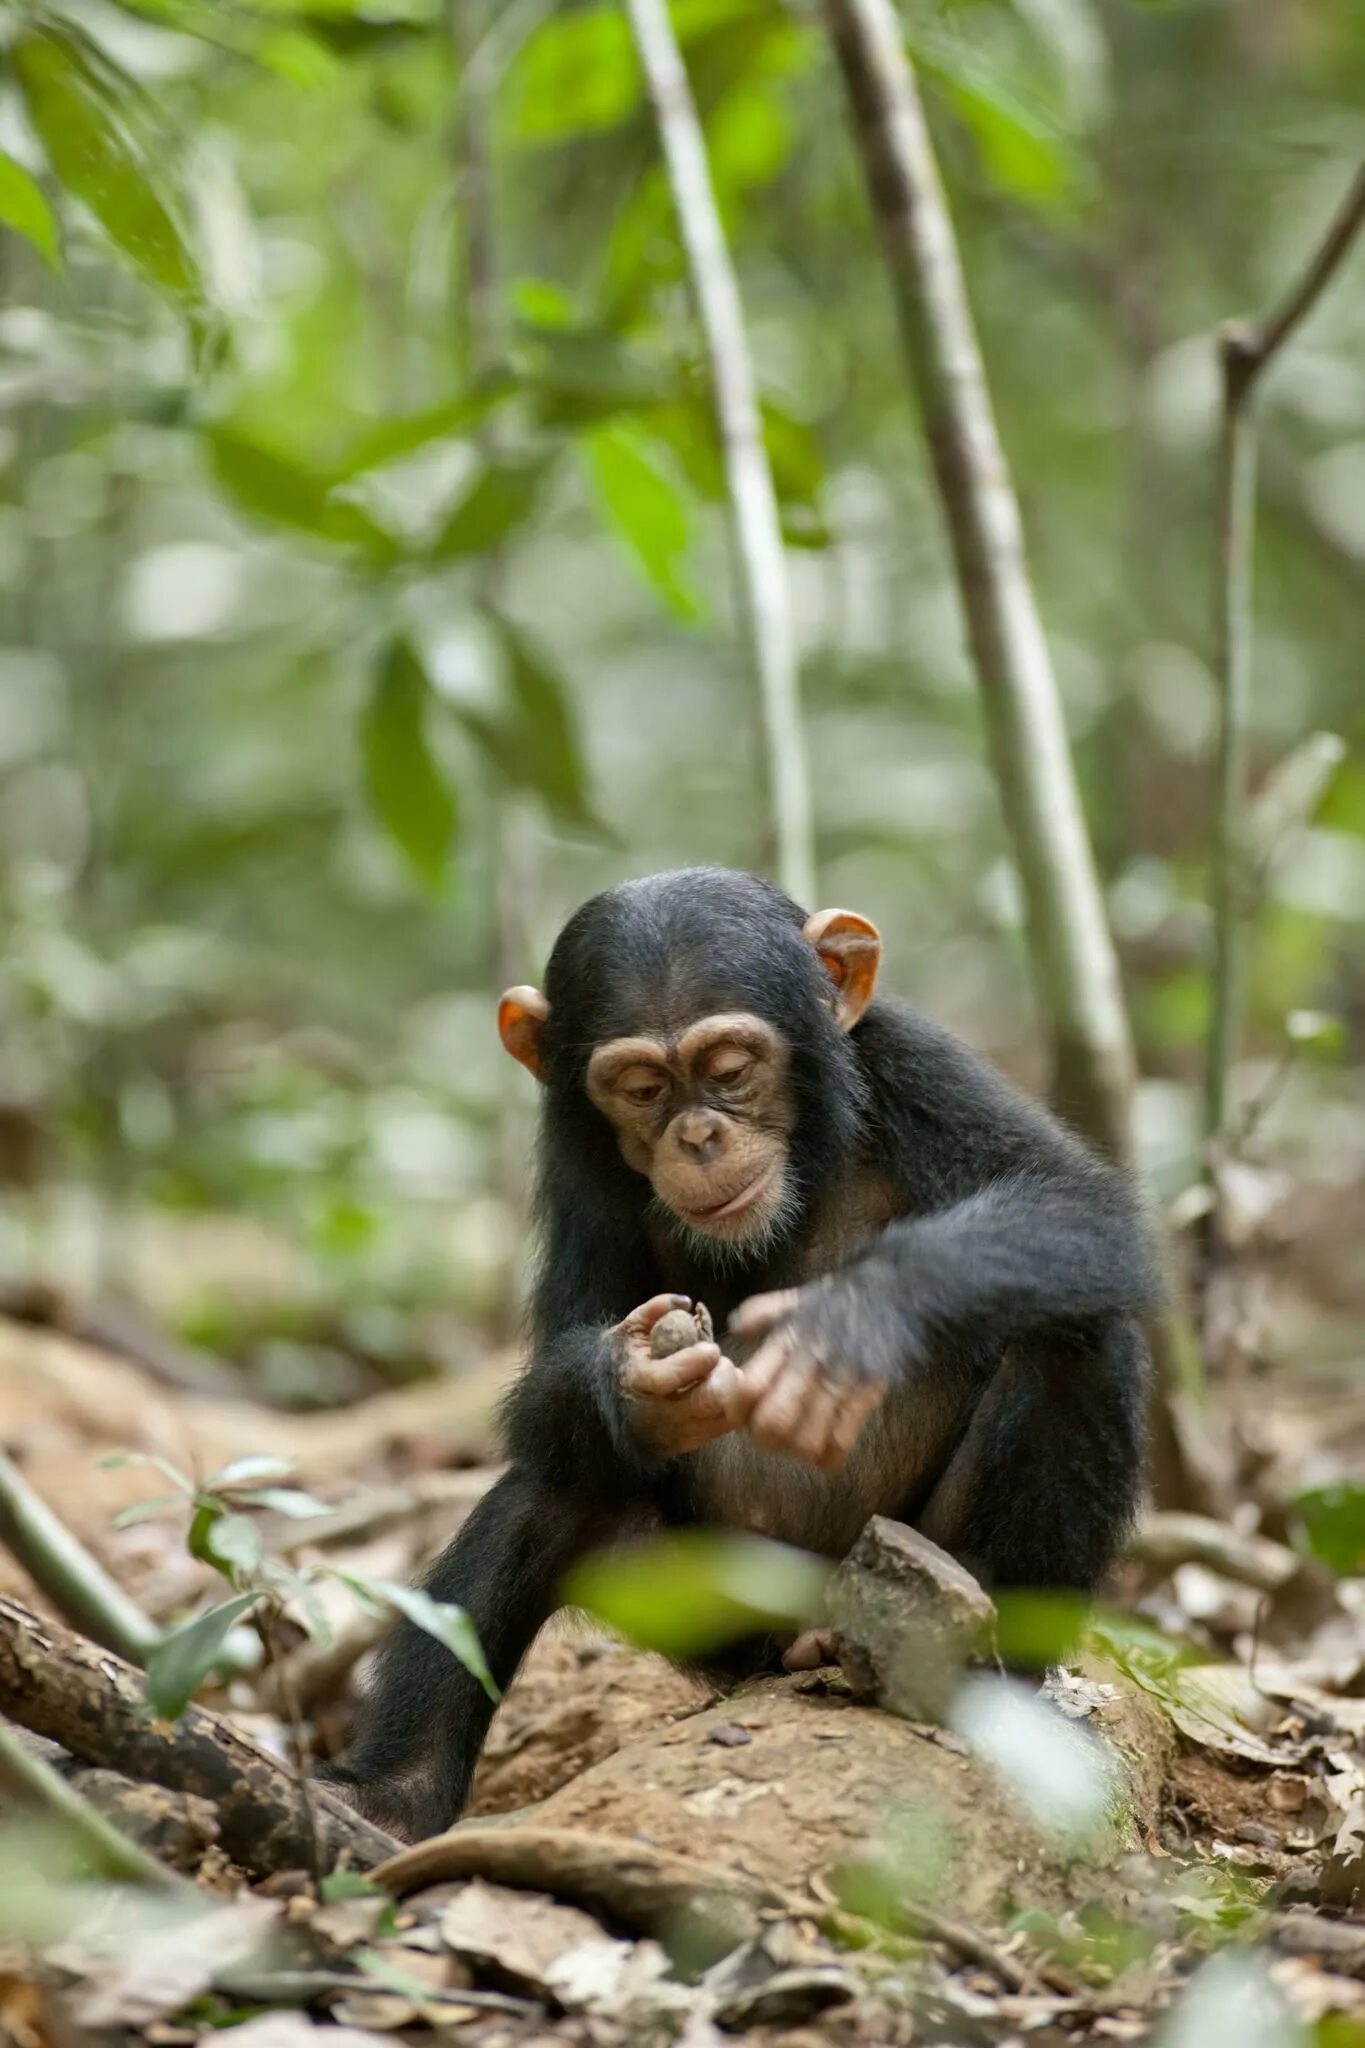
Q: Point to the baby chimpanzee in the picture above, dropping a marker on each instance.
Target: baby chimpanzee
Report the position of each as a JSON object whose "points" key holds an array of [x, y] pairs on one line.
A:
{"points": [[933, 1292]]}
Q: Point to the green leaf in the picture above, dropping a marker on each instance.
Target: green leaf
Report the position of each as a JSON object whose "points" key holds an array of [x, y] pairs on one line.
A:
{"points": [[392, 439], [183, 1659], [692, 1590], [144, 1510], [285, 1500], [83, 114], [1317, 1031], [646, 508], [577, 75], [1333, 1519], [500, 500], [549, 757], [234, 1542], [116, 1460], [442, 1619], [349, 1884], [274, 487], [256, 1465], [408, 792], [24, 207]]}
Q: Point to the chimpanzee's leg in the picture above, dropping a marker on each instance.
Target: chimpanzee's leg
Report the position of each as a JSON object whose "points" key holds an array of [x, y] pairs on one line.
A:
{"points": [[425, 1720], [1044, 1486]]}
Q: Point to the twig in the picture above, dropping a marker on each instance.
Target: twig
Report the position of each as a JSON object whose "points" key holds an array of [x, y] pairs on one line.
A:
{"points": [[302, 1987], [267, 1617], [1071, 953], [60, 1566], [756, 526], [975, 1947], [31, 1781], [1246, 351], [317, 1671]]}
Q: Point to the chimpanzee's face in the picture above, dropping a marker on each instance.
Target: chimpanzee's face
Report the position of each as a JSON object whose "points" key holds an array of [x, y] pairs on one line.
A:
{"points": [[706, 1117], [696, 1085]]}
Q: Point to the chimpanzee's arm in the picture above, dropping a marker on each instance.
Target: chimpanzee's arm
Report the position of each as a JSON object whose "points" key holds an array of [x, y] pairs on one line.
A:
{"points": [[426, 1718], [1021, 1230], [580, 1473]]}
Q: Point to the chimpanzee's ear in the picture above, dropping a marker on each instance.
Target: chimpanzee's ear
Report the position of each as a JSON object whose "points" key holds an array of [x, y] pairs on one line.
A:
{"points": [[521, 1019], [850, 949]]}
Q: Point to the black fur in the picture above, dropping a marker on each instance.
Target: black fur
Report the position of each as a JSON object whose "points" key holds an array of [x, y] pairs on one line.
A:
{"points": [[1002, 1307]]}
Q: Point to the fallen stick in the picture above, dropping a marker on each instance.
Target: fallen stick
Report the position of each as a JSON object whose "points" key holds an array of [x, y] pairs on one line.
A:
{"points": [[59, 1685]]}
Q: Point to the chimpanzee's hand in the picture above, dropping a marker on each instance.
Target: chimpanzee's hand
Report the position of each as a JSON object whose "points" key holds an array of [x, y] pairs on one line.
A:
{"points": [[678, 1403], [818, 1373]]}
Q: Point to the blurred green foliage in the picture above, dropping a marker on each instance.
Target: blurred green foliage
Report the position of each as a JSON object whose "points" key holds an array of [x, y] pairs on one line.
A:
{"points": [[344, 647]]}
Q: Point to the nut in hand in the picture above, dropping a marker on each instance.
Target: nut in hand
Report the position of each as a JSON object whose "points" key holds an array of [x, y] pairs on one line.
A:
{"points": [[677, 1330]]}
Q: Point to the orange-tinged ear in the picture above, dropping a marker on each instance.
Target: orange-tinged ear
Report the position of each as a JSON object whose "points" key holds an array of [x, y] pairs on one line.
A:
{"points": [[850, 949], [521, 1019]]}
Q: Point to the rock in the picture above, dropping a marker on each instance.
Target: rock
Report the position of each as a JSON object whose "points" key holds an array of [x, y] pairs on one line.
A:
{"points": [[906, 1618]]}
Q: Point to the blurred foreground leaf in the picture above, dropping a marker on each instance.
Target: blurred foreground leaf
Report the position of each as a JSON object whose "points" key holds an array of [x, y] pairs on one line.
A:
{"points": [[692, 1590], [407, 789], [84, 112], [24, 207], [1054, 1768], [1231, 1998]]}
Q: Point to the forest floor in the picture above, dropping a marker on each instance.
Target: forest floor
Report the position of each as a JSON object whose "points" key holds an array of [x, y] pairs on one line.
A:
{"points": [[647, 1860]]}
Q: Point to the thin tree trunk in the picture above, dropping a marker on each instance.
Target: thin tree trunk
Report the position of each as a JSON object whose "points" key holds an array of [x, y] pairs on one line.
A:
{"points": [[1246, 352], [757, 530], [1072, 956]]}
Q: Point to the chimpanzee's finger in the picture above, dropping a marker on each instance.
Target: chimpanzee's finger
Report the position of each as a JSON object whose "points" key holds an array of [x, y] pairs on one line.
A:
{"points": [[756, 1316], [719, 1394], [773, 1422], [812, 1648], [659, 1377], [854, 1407], [810, 1439], [761, 1373], [641, 1320]]}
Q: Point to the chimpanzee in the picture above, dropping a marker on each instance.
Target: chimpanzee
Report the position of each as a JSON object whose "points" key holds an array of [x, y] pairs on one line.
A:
{"points": [[934, 1292]]}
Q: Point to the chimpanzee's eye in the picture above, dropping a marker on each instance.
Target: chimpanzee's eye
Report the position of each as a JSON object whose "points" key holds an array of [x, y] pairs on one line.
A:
{"points": [[730, 1073], [641, 1085]]}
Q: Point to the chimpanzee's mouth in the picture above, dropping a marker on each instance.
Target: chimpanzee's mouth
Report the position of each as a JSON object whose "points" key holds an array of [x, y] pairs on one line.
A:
{"points": [[735, 1204]]}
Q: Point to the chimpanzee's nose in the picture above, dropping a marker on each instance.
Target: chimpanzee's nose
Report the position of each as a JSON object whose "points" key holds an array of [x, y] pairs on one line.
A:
{"points": [[700, 1135]]}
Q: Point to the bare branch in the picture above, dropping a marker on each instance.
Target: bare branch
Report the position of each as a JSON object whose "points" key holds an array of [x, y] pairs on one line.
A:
{"points": [[1246, 350], [1072, 955], [1258, 345], [756, 526]]}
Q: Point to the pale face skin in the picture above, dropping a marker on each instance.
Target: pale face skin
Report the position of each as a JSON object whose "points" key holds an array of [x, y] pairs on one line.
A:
{"points": [[706, 1119]]}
